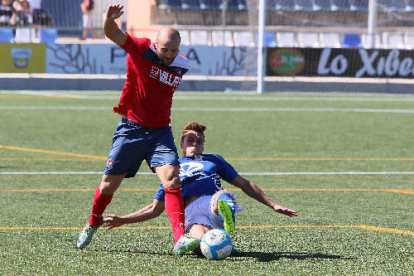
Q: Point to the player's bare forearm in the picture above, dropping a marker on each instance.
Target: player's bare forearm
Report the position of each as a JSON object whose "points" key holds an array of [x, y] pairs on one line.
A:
{"points": [[254, 191], [150, 211], [111, 28]]}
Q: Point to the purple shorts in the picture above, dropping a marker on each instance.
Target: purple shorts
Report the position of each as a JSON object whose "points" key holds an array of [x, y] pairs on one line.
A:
{"points": [[133, 143]]}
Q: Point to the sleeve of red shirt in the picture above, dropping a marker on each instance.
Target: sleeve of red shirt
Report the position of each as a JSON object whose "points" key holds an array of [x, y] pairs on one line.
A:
{"points": [[136, 45]]}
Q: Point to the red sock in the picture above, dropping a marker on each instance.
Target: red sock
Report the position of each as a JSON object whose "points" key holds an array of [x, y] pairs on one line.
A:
{"points": [[174, 207], [100, 202]]}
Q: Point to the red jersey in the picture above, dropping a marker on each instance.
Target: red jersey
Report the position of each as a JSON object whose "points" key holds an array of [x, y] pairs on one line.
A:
{"points": [[148, 91]]}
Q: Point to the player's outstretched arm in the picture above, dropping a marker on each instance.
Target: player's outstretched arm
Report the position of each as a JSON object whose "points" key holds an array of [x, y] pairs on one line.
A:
{"points": [[150, 211], [252, 190], [111, 29]]}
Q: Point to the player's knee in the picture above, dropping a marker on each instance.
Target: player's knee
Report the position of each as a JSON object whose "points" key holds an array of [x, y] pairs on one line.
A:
{"points": [[217, 194], [173, 182], [110, 184], [106, 188], [169, 176]]}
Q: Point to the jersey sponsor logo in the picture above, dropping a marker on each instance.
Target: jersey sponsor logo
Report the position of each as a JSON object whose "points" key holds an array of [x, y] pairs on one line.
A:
{"points": [[165, 77], [190, 169]]}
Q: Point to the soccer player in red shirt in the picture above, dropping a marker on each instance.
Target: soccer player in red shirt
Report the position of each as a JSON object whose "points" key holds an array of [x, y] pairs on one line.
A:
{"points": [[154, 72]]}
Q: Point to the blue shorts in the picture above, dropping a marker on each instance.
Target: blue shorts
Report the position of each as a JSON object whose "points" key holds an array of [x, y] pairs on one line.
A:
{"points": [[133, 143]]}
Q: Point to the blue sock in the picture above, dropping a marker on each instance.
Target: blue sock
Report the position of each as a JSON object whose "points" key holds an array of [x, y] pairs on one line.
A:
{"points": [[228, 199]]}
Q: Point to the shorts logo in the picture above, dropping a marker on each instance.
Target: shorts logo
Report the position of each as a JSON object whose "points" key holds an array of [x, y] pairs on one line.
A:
{"points": [[109, 163]]}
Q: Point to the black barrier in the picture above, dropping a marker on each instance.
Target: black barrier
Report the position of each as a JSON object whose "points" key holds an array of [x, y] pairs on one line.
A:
{"points": [[356, 63]]}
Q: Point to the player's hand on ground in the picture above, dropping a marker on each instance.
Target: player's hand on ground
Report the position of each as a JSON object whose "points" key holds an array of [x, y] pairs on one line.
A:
{"points": [[285, 211], [114, 11], [112, 221]]}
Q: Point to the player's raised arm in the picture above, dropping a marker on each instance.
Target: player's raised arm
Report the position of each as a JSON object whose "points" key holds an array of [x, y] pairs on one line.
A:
{"points": [[111, 29], [254, 191]]}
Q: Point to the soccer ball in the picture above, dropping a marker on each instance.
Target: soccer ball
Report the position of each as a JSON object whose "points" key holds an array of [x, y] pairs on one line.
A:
{"points": [[216, 244]]}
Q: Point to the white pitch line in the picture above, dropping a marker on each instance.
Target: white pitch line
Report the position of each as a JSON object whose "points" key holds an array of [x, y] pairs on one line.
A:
{"points": [[55, 108], [247, 173], [236, 109], [224, 109], [314, 97], [54, 173], [293, 99], [331, 173]]}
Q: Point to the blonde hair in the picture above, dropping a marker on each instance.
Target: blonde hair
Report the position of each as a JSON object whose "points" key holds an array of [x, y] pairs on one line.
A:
{"points": [[195, 126]]}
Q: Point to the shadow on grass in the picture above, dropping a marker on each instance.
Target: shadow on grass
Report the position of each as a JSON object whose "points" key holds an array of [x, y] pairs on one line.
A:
{"points": [[275, 256], [109, 250], [259, 256]]}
